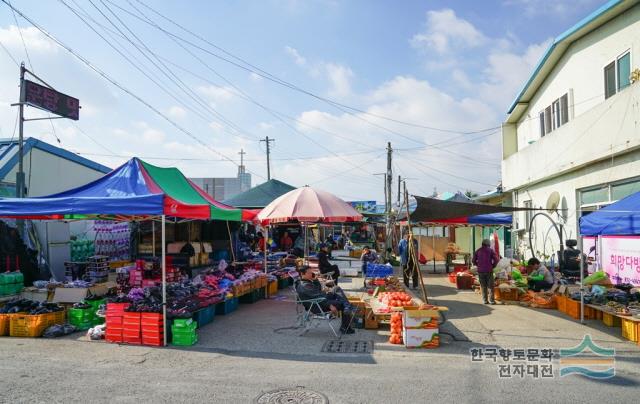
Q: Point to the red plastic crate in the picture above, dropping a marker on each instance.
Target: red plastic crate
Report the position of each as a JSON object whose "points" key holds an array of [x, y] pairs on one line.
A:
{"points": [[116, 309], [151, 318], [132, 340], [151, 331], [452, 277], [153, 341], [112, 336], [464, 282], [114, 320]]}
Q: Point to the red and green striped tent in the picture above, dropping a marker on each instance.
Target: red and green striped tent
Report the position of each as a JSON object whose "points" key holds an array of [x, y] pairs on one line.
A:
{"points": [[135, 189]]}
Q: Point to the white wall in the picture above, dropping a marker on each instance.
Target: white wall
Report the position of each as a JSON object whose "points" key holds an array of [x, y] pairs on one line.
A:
{"points": [[46, 173], [581, 69], [609, 128], [568, 186]]}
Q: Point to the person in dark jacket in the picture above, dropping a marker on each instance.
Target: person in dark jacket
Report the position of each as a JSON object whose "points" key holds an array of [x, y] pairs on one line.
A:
{"points": [[368, 256], [325, 266], [485, 258], [310, 288], [409, 267]]}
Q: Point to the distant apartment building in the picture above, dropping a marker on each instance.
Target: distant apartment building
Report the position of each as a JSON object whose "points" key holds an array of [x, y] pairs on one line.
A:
{"points": [[571, 137], [225, 188]]}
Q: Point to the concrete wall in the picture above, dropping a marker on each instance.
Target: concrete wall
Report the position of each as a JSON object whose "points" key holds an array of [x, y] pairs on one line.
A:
{"points": [[47, 174], [580, 71], [609, 128]]}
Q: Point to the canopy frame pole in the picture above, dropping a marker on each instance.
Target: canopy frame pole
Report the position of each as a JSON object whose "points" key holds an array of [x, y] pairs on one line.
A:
{"points": [[231, 244], [412, 251], [433, 246], [164, 278], [306, 241], [266, 240], [153, 236], [581, 278]]}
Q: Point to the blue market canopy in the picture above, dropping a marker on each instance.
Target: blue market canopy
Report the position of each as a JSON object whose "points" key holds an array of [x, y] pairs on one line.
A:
{"points": [[620, 218], [136, 188]]}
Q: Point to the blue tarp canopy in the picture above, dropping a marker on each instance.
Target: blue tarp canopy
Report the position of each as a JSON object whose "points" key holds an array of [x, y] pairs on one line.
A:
{"points": [[495, 219], [620, 218]]}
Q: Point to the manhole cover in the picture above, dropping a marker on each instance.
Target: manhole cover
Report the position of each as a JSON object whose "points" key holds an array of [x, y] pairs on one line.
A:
{"points": [[292, 396], [341, 346]]}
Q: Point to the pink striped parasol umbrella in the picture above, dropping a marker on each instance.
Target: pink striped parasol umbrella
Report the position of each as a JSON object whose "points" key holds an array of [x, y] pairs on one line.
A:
{"points": [[310, 206]]}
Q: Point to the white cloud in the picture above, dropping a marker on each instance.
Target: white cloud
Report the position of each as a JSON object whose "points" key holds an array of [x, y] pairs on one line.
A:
{"points": [[339, 77], [506, 73], [445, 32], [562, 9], [33, 38], [295, 55], [177, 112], [265, 126], [216, 94], [255, 77]]}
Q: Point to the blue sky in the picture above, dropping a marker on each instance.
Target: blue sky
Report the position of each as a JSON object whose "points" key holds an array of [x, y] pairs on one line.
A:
{"points": [[450, 65]]}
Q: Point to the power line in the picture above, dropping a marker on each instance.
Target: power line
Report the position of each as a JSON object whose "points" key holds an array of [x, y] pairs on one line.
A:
{"points": [[24, 45], [9, 53], [118, 85], [254, 69]]}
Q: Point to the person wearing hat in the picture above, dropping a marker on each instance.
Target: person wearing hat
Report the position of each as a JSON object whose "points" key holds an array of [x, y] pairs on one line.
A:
{"points": [[485, 258]]}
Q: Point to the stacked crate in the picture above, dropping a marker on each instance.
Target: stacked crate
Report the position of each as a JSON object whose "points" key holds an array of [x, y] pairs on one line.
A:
{"points": [[98, 269], [115, 315], [132, 328], [183, 332], [152, 326]]}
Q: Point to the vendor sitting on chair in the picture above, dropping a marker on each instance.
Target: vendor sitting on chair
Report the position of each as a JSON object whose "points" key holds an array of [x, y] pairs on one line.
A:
{"points": [[541, 278], [325, 266], [335, 300]]}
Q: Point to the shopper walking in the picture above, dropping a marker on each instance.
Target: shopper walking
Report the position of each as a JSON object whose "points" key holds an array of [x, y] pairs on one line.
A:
{"points": [[410, 268], [485, 258]]}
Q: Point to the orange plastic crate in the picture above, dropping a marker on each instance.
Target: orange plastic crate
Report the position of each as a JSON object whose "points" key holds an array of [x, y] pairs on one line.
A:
{"points": [[611, 320], [5, 320], [630, 329], [25, 325]]}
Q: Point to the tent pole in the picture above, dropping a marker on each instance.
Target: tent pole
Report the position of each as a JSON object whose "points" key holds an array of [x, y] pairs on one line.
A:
{"points": [[266, 239], [153, 236], [433, 240], [164, 279], [581, 279]]}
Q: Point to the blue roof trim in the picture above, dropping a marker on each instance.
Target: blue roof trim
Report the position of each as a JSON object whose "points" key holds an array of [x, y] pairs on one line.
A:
{"points": [[30, 143], [597, 13]]}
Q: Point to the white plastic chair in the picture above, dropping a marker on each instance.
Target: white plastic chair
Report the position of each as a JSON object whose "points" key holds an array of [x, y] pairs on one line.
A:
{"points": [[310, 313]]}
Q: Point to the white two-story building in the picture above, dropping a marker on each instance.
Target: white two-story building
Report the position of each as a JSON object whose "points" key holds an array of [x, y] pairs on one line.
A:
{"points": [[573, 132]]}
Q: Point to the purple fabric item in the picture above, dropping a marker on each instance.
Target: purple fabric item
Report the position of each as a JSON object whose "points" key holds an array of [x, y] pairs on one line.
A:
{"points": [[485, 259]]}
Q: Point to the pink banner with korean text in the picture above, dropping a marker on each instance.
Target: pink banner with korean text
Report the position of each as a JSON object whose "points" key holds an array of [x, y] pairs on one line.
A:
{"points": [[620, 258]]}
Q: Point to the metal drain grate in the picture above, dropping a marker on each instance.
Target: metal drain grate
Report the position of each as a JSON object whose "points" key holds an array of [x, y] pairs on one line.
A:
{"points": [[341, 346], [294, 395]]}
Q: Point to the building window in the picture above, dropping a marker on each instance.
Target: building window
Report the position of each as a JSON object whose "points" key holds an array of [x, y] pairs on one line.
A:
{"points": [[617, 75], [555, 115], [620, 191], [597, 198]]}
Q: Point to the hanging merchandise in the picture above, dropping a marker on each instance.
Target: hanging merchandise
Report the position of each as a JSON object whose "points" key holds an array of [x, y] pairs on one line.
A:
{"points": [[112, 239]]}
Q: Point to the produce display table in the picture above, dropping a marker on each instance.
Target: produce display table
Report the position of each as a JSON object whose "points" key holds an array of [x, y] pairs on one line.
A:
{"points": [[630, 325]]}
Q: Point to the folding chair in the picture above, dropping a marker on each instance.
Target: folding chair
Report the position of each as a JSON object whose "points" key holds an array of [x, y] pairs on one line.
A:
{"points": [[310, 312]]}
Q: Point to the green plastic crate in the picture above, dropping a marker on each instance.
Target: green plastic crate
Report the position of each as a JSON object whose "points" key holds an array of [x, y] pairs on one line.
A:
{"points": [[6, 290], [186, 339], [184, 324], [81, 325], [81, 315]]}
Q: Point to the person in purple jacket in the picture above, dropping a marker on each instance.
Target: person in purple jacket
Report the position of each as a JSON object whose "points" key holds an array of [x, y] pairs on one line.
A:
{"points": [[485, 258]]}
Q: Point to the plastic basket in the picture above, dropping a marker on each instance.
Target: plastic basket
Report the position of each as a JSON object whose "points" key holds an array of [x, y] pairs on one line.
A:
{"points": [[572, 308], [611, 320], [464, 282], [630, 329], [184, 339], [378, 270], [562, 303], [228, 306], [81, 315], [5, 320], [204, 316], [25, 325], [250, 297]]}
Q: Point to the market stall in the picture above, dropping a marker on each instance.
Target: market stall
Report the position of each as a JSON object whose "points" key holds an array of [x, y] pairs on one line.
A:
{"points": [[134, 191]]}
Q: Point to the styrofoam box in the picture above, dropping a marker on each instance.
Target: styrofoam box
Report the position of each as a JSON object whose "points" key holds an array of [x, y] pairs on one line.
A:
{"points": [[415, 338], [416, 318]]}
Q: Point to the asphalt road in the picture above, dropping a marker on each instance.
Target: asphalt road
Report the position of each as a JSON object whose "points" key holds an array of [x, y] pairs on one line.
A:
{"points": [[243, 355]]}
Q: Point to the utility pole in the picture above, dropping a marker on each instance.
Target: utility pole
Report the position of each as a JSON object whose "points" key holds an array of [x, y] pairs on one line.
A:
{"points": [[242, 153], [268, 143], [20, 173], [399, 181], [389, 183]]}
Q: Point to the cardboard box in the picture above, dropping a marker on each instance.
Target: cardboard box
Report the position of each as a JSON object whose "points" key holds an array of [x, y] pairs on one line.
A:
{"points": [[75, 295], [422, 338], [370, 320], [421, 319], [35, 294]]}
